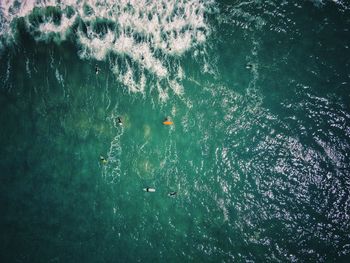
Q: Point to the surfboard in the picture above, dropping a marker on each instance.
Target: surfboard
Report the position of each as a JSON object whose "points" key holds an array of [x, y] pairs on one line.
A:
{"points": [[167, 122], [149, 189]]}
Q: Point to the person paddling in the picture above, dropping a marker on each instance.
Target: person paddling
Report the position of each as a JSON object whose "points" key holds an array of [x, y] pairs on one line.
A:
{"points": [[97, 70], [103, 160], [119, 120], [149, 189], [167, 121]]}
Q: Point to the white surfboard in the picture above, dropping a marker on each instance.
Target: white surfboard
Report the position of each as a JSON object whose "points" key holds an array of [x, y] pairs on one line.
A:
{"points": [[148, 189]]}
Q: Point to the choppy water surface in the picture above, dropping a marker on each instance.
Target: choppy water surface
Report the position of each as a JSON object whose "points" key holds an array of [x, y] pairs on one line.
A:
{"points": [[258, 154]]}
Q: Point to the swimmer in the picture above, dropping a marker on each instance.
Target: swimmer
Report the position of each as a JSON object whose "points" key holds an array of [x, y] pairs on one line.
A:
{"points": [[172, 193], [103, 160], [149, 189], [167, 121], [249, 66], [97, 70], [119, 120]]}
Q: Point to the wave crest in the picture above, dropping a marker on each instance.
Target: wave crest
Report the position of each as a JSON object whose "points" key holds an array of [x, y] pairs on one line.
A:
{"points": [[150, 33]]}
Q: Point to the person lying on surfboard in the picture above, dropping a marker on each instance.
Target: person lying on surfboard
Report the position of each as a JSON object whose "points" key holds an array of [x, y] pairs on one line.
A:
{"points": [[149, 189], [97, 70], [167, 121], [119, 120], [172, 193], [103, 160]]}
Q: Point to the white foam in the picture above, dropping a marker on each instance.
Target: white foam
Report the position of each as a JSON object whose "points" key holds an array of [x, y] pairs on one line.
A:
{"points": [[61, 30], [176, 87], [163, 94], [29, 72], [59, 77], [147, 32], [111, 170], [95, 47]]}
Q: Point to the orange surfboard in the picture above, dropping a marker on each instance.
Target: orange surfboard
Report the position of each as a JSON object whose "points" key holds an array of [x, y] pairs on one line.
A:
{"points": [[167, 122]]}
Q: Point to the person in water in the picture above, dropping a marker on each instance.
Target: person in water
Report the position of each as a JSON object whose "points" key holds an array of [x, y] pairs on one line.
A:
{"points": [[249, 66], [97, 70], [119, 120], [172, 193], [103, 160]]}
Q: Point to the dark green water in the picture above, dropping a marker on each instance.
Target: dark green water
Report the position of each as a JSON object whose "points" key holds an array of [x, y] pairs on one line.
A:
{"points": [[258, 155]]}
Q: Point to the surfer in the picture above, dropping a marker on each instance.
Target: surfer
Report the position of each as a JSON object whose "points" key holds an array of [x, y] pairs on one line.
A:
{"points": [[167, 121], [172, 193], [119, 120], [97, 70], [249, 66], [149, 189], [103, 160]]}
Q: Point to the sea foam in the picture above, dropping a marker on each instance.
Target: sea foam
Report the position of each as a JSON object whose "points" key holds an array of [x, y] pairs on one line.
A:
{"points": [[145, 35]]}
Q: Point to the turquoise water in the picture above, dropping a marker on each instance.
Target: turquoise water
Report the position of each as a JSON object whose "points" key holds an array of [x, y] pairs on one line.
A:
{"points": [[258, 153]]}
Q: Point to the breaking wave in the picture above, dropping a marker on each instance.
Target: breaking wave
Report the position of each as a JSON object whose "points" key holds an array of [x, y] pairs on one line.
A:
{"points": [[139, 37]]}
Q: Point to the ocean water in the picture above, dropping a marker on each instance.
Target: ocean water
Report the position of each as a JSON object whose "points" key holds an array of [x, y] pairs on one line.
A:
{"points": [[258, 153]]}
